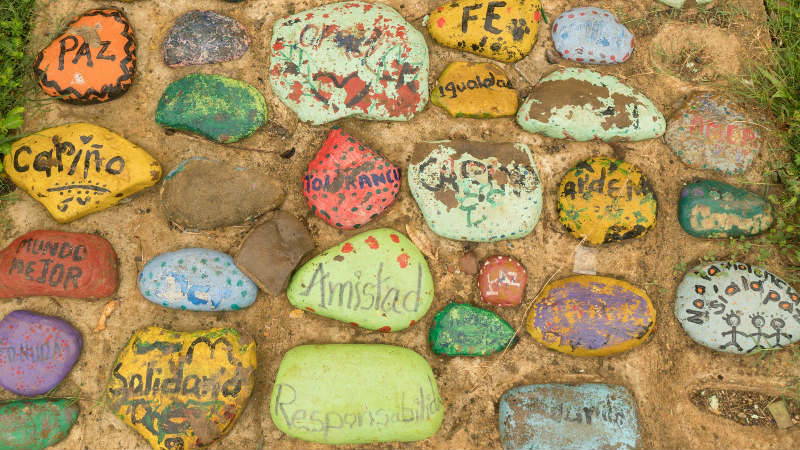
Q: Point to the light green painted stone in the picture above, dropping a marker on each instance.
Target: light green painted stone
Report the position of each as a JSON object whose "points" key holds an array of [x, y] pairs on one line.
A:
{"points": [[36, 424], [584, 105], [355, 394], [680, 3], [376, 280]]}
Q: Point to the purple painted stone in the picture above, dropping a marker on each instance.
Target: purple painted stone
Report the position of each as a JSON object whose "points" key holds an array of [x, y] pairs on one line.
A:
{"points": [[204, 37], [36, 352]]}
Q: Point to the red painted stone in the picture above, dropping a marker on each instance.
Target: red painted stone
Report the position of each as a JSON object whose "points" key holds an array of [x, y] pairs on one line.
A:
{"points": [[347, 184], [59, 263], [502, 281]]}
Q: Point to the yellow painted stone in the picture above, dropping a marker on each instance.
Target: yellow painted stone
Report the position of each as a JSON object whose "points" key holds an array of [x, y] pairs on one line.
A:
{"points": [[182, 390], [478, 90], [504, 30], [79, 168]]}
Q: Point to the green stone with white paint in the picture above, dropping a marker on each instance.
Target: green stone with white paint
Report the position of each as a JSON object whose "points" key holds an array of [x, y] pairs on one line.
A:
{"points": [[355, 394], [36, 424], [681, 3], [713, 209], [376, 280], [584, 105]]}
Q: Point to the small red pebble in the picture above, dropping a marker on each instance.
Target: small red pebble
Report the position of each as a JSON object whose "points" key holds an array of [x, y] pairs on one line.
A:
{"points": [[502, 281]]}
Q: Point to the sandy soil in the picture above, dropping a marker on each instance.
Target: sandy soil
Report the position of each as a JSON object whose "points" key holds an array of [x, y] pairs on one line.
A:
{"points": [[661, 373]]}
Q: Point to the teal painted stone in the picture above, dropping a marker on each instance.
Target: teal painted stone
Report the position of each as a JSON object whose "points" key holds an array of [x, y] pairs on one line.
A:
{"points": [[713, 209], [563, 416], [196, 279], [737, 308], [36, 424], [583, 105], [219, 108], [476, 191], [464, 330], [376, 280]]}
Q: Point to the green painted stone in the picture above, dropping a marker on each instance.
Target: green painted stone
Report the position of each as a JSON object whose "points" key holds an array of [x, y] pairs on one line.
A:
{"points": [[220, 108], [356, 394], [376, 280], [712, 209], [36, 424], [465, 330]]}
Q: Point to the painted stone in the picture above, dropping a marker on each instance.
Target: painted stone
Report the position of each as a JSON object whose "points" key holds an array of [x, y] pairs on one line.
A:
{"points": [[36, 424], [737, 308], [476, 191], [36, 352], [219, 108], [592, 35], [681, 3], [606, 200], [590, 315], [182, 390], [503, 30], [579, 417], [204, 37], [92, 61], [711, 132], [79, 168], [376, 280], [58, 263], [201, 194], [349, 59], [355, 394], [478, 90], [348, 184], [583, 105], [502, 281], [464, 330], [272, 250], [197, 279], [713, 209]]}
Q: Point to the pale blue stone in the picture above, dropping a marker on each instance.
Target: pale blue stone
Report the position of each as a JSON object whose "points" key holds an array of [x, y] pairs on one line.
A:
{"points": [[196, 279], [592, 36], [548, 416]]}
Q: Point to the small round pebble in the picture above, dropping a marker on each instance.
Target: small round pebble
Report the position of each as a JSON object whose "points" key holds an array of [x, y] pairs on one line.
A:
{"points": [[502, 281]]}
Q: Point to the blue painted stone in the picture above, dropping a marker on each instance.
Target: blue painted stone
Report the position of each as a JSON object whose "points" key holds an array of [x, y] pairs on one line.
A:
{"points": [[196, 279], [593, 36], [577, 417]]}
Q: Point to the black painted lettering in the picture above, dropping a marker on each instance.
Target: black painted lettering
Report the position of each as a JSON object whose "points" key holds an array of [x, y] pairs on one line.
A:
{"points": [[41, 162], [17, 166], [83, 51], [466, 17], [102, 53], [17, 264], [73, 274], [115, 165], [491, 17], [77, 255], [63, 49]]}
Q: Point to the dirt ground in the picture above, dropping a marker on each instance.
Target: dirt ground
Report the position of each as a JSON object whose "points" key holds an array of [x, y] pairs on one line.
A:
{"points": [[662, 373]]}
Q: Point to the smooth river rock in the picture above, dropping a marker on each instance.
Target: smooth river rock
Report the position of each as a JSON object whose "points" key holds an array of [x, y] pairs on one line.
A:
{"points": [[182, 390], [583, 105], [376, 280], [348, 184], [36, 424], [465, 330], [713, 209], [349, 59], [476, 191], [592, 36], [712, 132], [196, 279], [591, 315], [503, 30], [219, 108], [92, 61], [477, 90], [201, 194], [502, 281], [737, 308], [79, 168], [681, 3], [606, 200], [59, 263], [204, 37], [576, 417], [355, 394], [36, 352]]}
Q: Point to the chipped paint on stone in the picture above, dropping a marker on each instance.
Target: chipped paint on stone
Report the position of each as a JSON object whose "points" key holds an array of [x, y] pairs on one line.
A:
{"points": [[36, 424], [204, 37], [713, 209]]}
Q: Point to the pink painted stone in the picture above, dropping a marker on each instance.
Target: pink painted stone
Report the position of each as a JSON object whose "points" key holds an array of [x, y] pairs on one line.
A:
{"points": [[347, 184], [502, 281]]}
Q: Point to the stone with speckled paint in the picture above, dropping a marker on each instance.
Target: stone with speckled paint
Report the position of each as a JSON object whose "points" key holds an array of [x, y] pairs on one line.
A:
{"points": [[376, 280], [576, 417], [592, 36], [36, 424], [502, 281], [465, 330], [713, 209], [204, 37]]}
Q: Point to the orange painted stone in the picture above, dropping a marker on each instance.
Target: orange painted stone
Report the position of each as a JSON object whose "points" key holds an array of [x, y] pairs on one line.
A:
{"points": [[92, 61]]}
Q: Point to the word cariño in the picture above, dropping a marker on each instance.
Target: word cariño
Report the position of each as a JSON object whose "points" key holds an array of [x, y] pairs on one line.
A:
{"points": [[613, 187], [732, 134], [436, 175], [45, 161], [55, 274], [454, 89], [346, 179], [32, 353]]}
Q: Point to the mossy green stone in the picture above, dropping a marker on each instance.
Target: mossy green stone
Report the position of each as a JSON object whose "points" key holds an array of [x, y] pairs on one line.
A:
{"points": [[220, 108], [36, 424], [713, 209], [465, 330]]}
